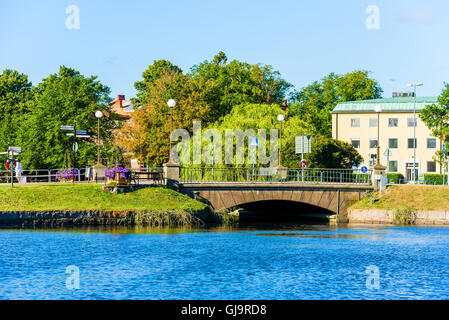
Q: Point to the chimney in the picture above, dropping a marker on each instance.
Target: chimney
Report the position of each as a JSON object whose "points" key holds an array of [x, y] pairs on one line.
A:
{"points": [[120, 98]]}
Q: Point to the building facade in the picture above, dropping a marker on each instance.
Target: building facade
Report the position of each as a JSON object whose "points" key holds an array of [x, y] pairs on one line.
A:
{"points": [[356, 122]]}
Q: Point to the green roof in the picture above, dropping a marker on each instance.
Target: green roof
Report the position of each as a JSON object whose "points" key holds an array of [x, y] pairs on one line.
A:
{"points": [[387, 104]]}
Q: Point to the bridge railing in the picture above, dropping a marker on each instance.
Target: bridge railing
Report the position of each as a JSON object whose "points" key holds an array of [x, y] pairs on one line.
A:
{"points": [[273, 175]]}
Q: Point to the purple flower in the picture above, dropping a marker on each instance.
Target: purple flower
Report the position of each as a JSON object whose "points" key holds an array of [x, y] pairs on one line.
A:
{"points": [[123, 172]]}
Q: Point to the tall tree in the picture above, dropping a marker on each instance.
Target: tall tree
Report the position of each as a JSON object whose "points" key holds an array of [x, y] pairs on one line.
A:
{"points": [[314, 103], [207, 93], [15, 95], [436, 118], [147, 135], [58, 100], [227, 84]]}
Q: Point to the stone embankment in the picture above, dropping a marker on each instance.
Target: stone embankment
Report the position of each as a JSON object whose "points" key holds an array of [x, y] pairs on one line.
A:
{"points": [[124, 218], [379, 216]]}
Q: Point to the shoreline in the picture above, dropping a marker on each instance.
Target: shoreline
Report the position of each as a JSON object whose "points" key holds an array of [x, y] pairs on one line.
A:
{"points": [[174, 218], [383, 217]]}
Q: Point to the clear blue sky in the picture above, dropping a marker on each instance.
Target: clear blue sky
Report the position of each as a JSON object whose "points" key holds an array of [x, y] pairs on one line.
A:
{"points": [[304, 40]]}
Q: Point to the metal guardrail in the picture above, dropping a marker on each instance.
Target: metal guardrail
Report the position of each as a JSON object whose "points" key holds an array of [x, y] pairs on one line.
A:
{"points": [[84, 175], [273, 175]]}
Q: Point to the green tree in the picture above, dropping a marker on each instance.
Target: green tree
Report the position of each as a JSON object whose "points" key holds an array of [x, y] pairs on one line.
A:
{"points": [[58, 100], [225, 85], [314, 103], [331, 153], [207, 93], [436, 118], [15, 95]]}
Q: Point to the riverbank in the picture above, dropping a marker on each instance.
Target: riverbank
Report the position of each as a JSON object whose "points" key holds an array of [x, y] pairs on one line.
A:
{"points": [[89, 204], [418, 205]]}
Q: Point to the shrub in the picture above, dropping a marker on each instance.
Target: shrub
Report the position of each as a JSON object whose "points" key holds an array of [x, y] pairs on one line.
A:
{"points": [[395, 177], [404, 216], [436, 179]]}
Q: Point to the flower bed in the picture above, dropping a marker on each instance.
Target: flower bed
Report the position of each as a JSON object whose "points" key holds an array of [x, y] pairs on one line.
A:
{"points": [[118, 174], [66, 175]]}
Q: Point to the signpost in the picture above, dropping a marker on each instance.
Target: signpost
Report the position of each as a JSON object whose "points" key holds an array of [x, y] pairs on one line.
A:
{"points": [[254, 143], [11, 161], [303, 144], [75, 134]]}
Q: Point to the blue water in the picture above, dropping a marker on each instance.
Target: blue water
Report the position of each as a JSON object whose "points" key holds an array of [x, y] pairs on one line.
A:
{"points": [[302, 262]]}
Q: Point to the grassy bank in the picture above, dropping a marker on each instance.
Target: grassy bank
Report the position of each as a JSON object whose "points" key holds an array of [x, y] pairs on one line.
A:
{"points": [[424, 198], [92, 197]]}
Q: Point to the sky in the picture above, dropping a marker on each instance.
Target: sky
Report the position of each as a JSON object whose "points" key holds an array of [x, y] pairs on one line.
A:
{"points": [[304, 40]]}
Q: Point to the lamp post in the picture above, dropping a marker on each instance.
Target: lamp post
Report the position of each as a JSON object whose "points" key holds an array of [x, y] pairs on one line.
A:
{"points": [[280, 119], [99, 115], [378, 109], [414, 85], [171, 104]]}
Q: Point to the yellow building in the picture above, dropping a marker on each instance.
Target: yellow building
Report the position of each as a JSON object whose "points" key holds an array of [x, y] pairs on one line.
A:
{"points": [[356, 122]]}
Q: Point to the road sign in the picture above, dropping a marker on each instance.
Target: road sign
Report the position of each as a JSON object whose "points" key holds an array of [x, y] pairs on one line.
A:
{"points": [[364, 169], [75, 147], [303, 144], [304, 164], [66, 128], [253, 142], [81, 132], [15, 150]]}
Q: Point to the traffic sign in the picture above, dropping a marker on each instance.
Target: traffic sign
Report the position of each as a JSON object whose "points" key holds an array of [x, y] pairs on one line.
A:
{"points": [[67, 127], [15, 150], [304, 163], [81, 132], [253, 142], [364, 169], [303, 144]]}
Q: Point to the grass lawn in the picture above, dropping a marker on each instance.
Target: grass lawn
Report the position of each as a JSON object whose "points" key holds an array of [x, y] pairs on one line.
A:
{"points": [[416, 197], [91, 197]]}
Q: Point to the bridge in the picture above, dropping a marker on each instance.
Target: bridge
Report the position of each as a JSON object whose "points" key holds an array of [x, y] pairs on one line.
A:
{"points": [[331, 189]]}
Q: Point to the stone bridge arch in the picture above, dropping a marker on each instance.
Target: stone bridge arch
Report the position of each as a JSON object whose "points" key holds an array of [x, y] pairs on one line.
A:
{"points": [[334, 198]]}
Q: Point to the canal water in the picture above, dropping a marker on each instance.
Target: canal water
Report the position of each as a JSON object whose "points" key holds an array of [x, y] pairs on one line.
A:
{"points": [[308, 261]]}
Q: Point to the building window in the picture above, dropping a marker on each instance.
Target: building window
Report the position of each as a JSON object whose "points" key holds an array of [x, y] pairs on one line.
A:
{"points": [[431, 143], [373, 122], [411, 122], [412, 143], [431, 166], [393, 143], [392, 166], [373, 143], [355, 123], [393, 122], [355, 143]]}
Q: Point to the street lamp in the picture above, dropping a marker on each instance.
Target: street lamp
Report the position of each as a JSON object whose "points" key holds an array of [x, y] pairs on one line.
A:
{"points": [[171, 104], [378, 110], [99, 115], [280, 119], [414, 85]]}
